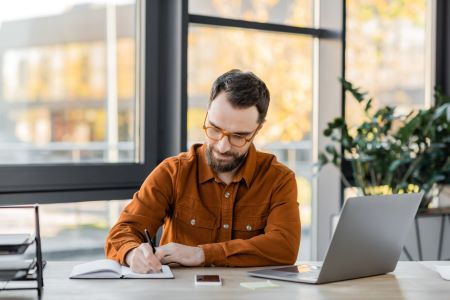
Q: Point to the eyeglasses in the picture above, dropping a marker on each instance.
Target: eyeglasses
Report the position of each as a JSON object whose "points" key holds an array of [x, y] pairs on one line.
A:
{"points": [[237, 140]]}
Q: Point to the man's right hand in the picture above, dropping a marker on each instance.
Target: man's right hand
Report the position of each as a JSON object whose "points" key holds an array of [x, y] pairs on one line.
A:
{"points": [[142, 259]]}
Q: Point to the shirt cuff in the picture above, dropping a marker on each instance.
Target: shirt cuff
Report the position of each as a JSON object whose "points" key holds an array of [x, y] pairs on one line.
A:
{"points": [[123, 251], [214, 255]]}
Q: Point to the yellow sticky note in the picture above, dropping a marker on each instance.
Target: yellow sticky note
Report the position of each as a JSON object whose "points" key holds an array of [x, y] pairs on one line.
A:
{"points": [[258, 284]]}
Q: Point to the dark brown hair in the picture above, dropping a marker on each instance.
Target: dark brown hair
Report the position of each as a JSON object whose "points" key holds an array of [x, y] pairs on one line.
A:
{"points": [[244, 89]]}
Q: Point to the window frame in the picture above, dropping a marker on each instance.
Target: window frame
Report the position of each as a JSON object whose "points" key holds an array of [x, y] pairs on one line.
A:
{"points": [[57, 183]]}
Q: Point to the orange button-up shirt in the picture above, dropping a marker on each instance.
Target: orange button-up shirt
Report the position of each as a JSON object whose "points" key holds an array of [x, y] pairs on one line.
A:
{"points": [[253, 221]]}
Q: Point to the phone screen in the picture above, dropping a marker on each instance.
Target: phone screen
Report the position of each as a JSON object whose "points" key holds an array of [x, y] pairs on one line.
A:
{"points": [[208, 278]]}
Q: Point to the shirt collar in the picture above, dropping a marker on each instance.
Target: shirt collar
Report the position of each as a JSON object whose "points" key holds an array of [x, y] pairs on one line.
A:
{"points": [[246, 171]]}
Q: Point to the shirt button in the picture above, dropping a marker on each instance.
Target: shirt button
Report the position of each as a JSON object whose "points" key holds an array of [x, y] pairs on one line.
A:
{"points": [[193, 222], [226, 226], [248, 227], [227, 195]]}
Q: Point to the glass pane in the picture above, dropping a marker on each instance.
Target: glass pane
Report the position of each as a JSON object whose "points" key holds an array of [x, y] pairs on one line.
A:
{"points": [[67, 78], [386, 53], [69, 231], [286, 67], [287, 12]]}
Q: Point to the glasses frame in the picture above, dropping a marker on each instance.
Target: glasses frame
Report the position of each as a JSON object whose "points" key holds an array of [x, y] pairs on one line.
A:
{"points": [[228, 134]]}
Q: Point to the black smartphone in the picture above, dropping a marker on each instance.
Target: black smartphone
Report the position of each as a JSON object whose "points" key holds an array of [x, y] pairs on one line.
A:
{"points": [[208, 280]]}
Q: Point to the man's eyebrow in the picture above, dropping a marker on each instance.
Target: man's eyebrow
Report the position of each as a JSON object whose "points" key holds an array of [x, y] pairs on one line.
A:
{"points": [[239, 133]]}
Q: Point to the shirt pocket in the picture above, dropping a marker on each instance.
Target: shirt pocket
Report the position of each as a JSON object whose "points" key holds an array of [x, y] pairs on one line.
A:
{"points": [[193, 226], [248, 227]]}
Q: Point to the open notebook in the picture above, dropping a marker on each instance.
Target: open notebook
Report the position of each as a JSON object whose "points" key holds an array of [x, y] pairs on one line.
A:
{"points": [[107, 268]]}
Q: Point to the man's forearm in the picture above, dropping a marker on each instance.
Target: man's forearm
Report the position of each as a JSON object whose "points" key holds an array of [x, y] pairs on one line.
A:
{"points": [[263, 250]]}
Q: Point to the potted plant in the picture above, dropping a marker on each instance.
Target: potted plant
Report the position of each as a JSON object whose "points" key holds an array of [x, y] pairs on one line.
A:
{"points": [[388, 153]]}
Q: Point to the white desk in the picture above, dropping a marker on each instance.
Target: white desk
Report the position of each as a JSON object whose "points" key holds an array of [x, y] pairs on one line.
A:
{"points": [[410, 280]]}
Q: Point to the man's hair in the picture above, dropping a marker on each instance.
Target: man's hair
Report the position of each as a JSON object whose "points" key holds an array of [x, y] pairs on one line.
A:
{"points": [[244, 89]]}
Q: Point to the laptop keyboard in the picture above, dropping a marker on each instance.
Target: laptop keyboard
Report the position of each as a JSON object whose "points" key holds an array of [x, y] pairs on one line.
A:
{"points": [[310, 274]]}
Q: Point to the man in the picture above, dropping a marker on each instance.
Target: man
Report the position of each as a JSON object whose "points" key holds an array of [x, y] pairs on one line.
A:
{"points": [[222, 203]]}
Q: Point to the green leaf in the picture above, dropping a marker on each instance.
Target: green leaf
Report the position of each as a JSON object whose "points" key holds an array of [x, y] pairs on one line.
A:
{"points": [[359, 96], [368, 105]]}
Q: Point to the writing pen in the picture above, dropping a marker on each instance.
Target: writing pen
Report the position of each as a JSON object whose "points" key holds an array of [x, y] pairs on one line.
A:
{"points": [[149, 240]]}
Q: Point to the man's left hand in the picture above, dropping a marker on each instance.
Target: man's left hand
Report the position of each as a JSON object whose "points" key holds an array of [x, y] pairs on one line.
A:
{"points": [[174, 253]]}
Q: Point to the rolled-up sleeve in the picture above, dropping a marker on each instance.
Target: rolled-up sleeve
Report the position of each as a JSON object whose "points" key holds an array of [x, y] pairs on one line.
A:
{"points": [[147, 210]]}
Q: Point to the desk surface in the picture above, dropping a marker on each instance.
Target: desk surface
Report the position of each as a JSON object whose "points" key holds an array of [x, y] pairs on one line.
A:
{"points": [[410, 280]]}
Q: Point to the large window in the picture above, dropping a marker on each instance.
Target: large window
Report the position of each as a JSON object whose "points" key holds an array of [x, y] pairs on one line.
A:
{"points": [[71, 100], [283, 60]]}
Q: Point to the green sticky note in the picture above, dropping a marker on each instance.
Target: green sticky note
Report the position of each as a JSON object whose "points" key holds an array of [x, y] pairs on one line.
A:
{"points": [[258, 284]]}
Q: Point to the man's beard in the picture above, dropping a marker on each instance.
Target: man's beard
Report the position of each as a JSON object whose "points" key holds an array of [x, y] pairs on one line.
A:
{"points": [[220, 166]]}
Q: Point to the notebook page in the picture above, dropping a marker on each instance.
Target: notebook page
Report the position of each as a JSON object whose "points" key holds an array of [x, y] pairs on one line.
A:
{"points": [[166, 273], [104, 268]]}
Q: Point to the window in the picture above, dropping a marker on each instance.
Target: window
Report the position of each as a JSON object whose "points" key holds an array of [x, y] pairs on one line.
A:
{"points": [[71, 99], [286, 67], [68, 95]]}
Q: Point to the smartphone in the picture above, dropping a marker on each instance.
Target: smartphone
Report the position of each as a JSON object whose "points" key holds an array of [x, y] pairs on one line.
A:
{"points": [[208, 280]]}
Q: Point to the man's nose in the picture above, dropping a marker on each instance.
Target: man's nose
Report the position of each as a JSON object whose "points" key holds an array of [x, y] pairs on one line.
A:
{"points": [[223, 145]]}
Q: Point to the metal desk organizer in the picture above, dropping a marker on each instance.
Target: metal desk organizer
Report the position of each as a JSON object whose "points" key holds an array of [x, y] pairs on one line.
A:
{"points": [[16, 244]]}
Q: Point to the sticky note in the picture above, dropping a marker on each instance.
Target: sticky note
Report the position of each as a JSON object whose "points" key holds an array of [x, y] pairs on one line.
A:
{"points": [[258, 284]]}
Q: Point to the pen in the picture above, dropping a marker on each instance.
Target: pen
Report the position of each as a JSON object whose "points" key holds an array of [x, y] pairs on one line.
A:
{"points": [[149, 240]]}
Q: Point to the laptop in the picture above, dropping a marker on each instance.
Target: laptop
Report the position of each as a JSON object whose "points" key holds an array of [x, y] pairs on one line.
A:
{"points": [[368, 241]]}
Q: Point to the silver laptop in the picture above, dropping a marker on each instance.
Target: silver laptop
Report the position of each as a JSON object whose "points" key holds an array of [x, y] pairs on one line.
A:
{"points": [[368, 241]]}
